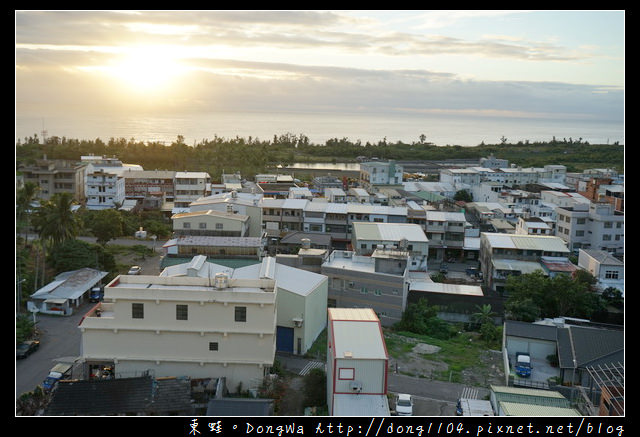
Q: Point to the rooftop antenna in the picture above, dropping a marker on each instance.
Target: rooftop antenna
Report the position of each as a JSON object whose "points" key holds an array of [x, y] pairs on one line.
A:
{"points": [[44, 133]]}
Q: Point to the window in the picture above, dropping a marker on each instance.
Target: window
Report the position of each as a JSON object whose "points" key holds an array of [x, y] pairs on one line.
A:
{"points": [[611, 274], [346, 373], [213, 346], [137, 310], [186, 225], [202, 225], [240, 314], [218, 226], [182, 312]]}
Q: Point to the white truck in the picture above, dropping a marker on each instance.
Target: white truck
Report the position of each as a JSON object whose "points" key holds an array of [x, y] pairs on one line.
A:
{"points": [[57, 372]]}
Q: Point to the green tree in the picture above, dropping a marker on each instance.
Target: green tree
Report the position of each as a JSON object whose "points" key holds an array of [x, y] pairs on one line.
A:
{"points": [[55, 221], [554, 297], [25, 328], [420, 318], [484, 315], [106, 225], [26, 196], [76, 254], [463, 195], [315, 384]]}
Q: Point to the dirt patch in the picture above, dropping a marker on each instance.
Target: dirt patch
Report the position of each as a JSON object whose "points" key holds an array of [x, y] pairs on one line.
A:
{"points": [[150, 264]]}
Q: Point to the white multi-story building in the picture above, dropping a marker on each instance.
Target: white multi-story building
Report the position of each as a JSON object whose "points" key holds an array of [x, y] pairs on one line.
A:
{"points": [[380, 173], [301, 297], [244, 204], [104, 190], [189, 187], [593, 226], [446, 232], [104, 181], [184, 326], [366, 237]]}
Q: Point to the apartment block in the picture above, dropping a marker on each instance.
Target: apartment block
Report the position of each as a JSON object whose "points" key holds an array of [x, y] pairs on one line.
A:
{"points": [[56, 176], [378, 281], [380, 173], [591, 226], [502, 255], [190, 186], [184, 326]]}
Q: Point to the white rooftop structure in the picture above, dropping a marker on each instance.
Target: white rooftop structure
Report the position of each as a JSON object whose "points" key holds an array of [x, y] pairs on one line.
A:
{"points": [[391, 232], [531, 242]]}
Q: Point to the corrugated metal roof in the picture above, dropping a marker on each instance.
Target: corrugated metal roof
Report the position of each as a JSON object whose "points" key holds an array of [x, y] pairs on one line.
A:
{"points": [[517, 409], [531, 242], [439, 287], [516, 265], [391, 232], [527, 392]]}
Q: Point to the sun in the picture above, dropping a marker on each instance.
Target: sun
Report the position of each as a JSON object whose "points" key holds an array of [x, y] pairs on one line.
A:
{"points": [[147, 70]]}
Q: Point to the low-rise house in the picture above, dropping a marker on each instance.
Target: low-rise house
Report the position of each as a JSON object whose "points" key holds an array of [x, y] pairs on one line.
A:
{"points": [[359, 195], [138, 396], [300, 193], [516, 401], [215, 247], [357, 364], [533, 226], [211, 223], [577, 345], [335, 195], [67, 291], [607, 269], [244, 204]]}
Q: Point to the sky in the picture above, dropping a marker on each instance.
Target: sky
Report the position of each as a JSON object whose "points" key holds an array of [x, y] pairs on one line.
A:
{"points": [[537, 64]]}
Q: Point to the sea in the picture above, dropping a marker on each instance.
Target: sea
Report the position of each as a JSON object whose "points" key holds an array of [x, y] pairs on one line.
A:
{"points": [[318, 128]]}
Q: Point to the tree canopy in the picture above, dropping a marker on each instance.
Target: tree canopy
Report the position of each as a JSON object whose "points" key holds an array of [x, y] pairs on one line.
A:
{"points": [[536, 295], [252, 155]]}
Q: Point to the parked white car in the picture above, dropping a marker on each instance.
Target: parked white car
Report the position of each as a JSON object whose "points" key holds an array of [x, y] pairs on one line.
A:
{"points": [[134, 270], [404, 405]]}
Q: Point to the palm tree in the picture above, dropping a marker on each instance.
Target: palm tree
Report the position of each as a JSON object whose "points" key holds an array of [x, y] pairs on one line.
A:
{"points": [[26, 195], [54, 220], [484, 315]]}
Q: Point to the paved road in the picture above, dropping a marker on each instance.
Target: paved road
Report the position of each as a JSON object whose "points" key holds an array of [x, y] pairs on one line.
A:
{"points": [[431, 398], [59, 342]]}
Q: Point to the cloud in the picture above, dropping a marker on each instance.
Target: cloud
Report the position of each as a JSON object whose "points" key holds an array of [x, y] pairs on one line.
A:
{"points": [[54, 49]]}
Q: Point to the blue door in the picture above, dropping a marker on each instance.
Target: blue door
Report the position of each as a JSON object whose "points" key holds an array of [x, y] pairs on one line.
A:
{"points": [[284, 339]]}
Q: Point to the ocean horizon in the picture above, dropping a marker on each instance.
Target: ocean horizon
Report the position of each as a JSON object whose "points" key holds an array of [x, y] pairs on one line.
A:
{"points": [[464, 131]]}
